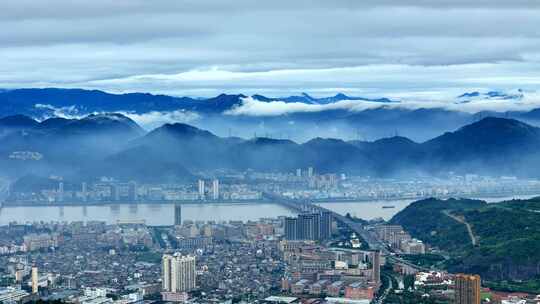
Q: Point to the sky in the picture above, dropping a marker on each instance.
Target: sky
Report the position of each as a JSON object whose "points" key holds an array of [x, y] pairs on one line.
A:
{"points": [[418, 50]]}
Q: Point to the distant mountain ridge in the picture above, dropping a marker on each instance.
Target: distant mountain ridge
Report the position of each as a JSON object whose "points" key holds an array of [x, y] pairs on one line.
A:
{"points": [[308, 99], [303, 116], [87, 101], [114, 145]]}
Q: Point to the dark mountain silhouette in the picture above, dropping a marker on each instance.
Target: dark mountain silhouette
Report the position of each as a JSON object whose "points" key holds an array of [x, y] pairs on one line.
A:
{"points": [[265, 154], [65, 145], [114, 145], [491, 142], [18, 121], [308, 99], [478, 147], [335, 155], [54, 123], [10, 124], [392, 155]]}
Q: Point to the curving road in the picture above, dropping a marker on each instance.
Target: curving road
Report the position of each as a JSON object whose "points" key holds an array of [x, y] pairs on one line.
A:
{"points": [[373, 242]]}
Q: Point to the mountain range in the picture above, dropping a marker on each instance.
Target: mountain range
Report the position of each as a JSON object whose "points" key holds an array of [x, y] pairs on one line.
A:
{"points": [[41, 101], [114, 145], [299, 117]]}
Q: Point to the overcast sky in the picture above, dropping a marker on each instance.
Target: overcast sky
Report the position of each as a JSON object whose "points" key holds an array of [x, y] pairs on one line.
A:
{"points": [[403, 48]]}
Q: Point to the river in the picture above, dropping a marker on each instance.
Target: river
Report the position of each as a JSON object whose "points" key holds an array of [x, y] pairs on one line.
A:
{"points": [[163, 214]]}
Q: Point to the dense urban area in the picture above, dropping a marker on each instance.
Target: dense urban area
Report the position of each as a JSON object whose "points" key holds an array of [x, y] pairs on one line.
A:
{"points": [[267, 152], [248, 186], [317, 256]]}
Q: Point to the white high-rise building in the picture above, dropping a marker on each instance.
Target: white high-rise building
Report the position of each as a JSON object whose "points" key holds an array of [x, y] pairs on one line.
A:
{"points": [[310, 172], [215, 189], [201, 189], [61, 191], [35, 279], [84, 191], [179, 273], [166, 272]]}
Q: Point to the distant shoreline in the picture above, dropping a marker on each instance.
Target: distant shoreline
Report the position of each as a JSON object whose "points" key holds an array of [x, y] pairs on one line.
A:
{"points": [[259, 201], [113, 203], [477, 196]]}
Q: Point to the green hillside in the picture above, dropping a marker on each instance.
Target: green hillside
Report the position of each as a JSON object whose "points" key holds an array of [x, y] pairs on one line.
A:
{"points": [[507, 235]]}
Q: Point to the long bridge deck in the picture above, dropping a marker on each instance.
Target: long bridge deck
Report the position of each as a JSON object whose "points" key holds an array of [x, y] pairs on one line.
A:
{"points": [[373, 243]]}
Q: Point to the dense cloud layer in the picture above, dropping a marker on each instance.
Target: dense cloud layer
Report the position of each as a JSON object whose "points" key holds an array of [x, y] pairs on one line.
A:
{"points": [[200, 48]]}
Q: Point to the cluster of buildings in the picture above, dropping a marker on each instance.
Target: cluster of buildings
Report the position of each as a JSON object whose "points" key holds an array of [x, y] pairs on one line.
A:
{"points": [[399, 240], [366, 188], [455, 288], [460, 288], [309, 226], [35, 241], [99, 296], [300, 184], [109, 190], [19, 295], [79, 261], [25, 155], [318, 271]]}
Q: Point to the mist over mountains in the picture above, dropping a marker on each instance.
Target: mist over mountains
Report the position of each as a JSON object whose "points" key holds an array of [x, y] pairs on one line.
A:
{"points": [[298, 117], [114, 145]]}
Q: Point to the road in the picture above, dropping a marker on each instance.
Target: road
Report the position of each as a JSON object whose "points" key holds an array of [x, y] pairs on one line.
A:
{"points": [[462, 221], [381, 299], [367, 236]]}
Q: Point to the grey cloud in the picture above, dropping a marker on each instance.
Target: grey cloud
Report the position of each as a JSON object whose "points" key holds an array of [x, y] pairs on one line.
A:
{"points": [[68, 9], [123, 45]]}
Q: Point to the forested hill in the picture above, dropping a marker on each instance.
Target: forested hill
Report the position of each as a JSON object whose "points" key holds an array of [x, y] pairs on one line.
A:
{"points": [[507, 234]]}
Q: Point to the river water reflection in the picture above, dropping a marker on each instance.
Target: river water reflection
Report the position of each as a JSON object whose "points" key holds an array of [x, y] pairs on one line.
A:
{"points": [[163, 214]]}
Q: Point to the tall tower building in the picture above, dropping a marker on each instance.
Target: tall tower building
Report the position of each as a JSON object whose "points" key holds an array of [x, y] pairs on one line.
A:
{"points": [[179, 273], [467, 289], [132, 191], [115, 192], [177, 215], [201, 189], [215, 189], [166, 272], [291, 228], [61, 191], [309, 226], [35, 279], [84, 191], [310, 172], [326, 225], [376, 264]]}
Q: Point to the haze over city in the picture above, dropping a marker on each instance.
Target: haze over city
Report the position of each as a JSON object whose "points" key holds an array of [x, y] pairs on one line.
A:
{"points": [[302, 151]]}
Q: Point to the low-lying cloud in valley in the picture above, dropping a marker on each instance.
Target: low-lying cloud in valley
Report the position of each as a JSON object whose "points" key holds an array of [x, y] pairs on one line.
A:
{"points": [[148, 120], [254, 107], [154, 119]]}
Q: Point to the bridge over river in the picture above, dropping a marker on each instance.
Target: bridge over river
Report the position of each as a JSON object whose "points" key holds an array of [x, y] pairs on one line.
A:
{"points": [[373, 243]]}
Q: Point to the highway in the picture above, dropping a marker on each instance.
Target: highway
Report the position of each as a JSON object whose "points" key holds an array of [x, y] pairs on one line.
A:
{"points": [[382, 297]]}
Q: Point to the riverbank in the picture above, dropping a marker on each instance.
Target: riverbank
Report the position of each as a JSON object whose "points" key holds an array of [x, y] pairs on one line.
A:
{"points": [[153, 214], [112, 203], [480, 196]]}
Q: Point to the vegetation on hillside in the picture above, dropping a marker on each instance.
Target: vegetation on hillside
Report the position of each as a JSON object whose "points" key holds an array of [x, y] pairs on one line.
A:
{"points": [[508, 235]]}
